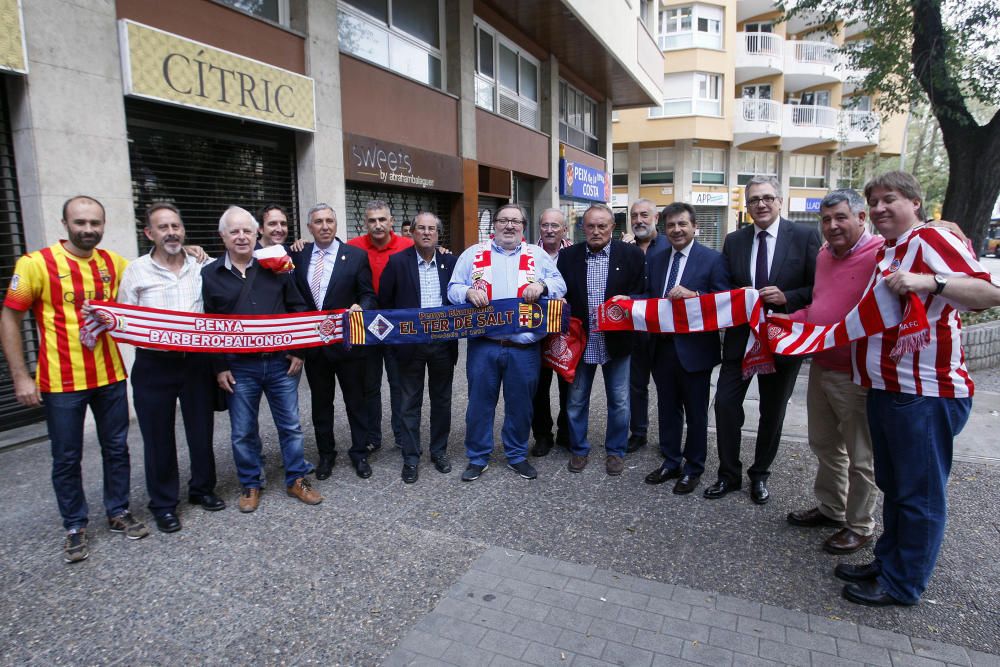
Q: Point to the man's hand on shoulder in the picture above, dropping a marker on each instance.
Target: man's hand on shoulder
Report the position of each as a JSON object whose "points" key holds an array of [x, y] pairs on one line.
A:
{"points": [[197, 252], [297, 245]]}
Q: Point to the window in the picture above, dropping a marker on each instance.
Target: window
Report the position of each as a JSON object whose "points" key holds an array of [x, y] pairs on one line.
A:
{"points": [[401, 35], [577, 118], [698, 26], [272, 10], [506, 77], [619, 174], [656, 166], [688, 93], [709, 166], [851, 173], [755, 163], [646, 13], [807, 171]]}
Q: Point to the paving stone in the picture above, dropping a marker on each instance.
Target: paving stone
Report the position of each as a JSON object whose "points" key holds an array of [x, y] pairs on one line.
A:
{"points": [[575, 570], [537, 631], [555, 598], [827, 660], [653, 588], [467, 656], [569, 619], [884, 639], [628, 598], [927, 648], [811, 641], [423, 643], [517, 588], [504, 661], [401, 658], [504, 643], [900, 659], [623, 654], [578, 642], [481, 578], [866, 653], [743, 660], [592, 607], [541, 654], [671, 608], [828, 626], [733, 641], [545, 579], [713, 618], [451, 628], [640, 618], [538, 562], [685, 629], [788, 617], [760, 629], [484, 597], [612, 631], [980, 659], [670, 661], [527, 609], [654, 641], [693, 597], [737, 606], [707, 655], [586, 588], [473, 613], [587, 661], [613, 579], [785, 653]]}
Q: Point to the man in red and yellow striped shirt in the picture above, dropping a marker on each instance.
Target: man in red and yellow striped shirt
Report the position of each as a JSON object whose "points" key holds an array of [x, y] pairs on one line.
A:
{"points": [[54, 283]]}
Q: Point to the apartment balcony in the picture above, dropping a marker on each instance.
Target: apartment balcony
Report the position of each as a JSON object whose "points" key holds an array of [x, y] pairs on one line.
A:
{"points": [[746, 9], [851, 75], [807, 125], [756, 119], [810, 64], [859, 129], [758, 54]]}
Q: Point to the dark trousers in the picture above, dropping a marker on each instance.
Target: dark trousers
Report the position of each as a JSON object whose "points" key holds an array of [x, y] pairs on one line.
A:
{"points": [[322, 374], [541, 423], [775, 389], [439, 363], [376, 357], [64, 415], [639, 372], [683, 396], [159, 379]]}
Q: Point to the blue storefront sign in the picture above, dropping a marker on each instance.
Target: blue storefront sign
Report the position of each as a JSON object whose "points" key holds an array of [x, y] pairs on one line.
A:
{"points": [[577, 181], [812, 204]]}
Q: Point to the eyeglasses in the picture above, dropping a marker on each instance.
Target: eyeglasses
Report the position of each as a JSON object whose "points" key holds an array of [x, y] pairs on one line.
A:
{"points": [[766, 199], [550, 225], [509, 222]]}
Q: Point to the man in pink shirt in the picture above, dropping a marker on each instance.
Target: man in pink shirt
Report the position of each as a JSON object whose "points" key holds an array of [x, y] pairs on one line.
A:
{"points": [[380, 243], [838, 426]]}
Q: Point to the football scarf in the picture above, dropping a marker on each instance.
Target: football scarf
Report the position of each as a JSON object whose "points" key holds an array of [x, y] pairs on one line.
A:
{"points": [[482, 269]]}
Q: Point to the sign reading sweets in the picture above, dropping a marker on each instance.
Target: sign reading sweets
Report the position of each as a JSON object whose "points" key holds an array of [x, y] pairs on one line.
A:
{"points": [[376, 161], [578, 181], [12, 52], [161, 66]]}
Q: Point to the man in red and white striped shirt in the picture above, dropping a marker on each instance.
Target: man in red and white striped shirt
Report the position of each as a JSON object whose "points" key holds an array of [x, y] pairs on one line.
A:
{"points": [[920, 402]]}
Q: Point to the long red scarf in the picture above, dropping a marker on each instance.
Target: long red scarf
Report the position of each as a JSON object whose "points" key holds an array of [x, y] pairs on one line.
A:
{"points": [[482, 269]]}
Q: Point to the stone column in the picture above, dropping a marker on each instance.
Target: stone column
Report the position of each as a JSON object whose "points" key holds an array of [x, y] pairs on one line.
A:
{"points": [[547, 192]]}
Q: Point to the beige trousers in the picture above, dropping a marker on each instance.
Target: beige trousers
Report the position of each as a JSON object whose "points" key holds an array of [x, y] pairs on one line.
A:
{"points": [[839, 437]]}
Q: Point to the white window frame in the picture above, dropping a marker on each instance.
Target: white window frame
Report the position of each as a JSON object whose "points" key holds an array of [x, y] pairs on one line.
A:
{"points": [[679, 27], [755, 163], [395, 37], [511, 104], [855, 176], [619, 166], [573, 102], [694, 104], [283, 13], [717, 158], [807, 171], [654, 162]]}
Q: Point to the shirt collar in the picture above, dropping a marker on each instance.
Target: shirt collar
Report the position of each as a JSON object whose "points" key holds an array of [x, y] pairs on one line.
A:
{"points": [[424, 262], [330, 249], [606, 251], [229, 263], [500, 249], [772, 229], [866, 236], [686, 250]]}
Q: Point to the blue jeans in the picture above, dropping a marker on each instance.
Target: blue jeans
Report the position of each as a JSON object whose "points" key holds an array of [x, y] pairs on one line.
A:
{"points": [[256, 375], [64, 415], [616, 387], [488, 366], [912, 444]]}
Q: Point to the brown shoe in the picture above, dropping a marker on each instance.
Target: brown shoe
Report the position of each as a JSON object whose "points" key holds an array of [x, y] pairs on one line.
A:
{"points": [[301, 490], [845, 541], [811, 518], [614, 465], [577, 463], [249, 500]]}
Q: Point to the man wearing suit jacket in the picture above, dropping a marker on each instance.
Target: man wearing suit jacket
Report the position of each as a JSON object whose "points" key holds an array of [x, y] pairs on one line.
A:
{"points": [[778, 258], [418, 278], [595, 271], [331, 274], [683, 363]]}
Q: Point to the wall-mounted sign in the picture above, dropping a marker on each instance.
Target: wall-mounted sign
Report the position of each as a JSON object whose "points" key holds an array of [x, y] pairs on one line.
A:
{"points": [[619, 201], [375, 161], [578, 181], [13, 56], [812, 204], [161, 66], [804, 204], [709, 198]]}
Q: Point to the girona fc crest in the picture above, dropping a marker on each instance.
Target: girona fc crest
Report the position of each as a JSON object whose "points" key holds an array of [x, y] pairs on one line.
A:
{"points": [[559, 350], [108, 320], [327, 329], [774, 332], [616, 313], [894, 266]]}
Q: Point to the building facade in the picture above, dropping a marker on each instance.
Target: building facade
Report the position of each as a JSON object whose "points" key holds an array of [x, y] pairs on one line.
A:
{"points": [[747, 94], [450, 106]]}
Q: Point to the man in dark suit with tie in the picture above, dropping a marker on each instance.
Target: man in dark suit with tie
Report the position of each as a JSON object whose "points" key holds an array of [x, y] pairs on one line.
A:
{"points": [[331, 274], [683, 363], [418, 278], [778, 258]]}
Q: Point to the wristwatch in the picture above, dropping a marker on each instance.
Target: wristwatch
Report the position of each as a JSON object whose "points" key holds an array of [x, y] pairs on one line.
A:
{"points": [[941, 281]]}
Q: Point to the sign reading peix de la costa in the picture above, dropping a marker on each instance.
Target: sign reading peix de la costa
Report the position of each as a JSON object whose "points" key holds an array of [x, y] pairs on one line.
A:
{"points": [[161, 66]]}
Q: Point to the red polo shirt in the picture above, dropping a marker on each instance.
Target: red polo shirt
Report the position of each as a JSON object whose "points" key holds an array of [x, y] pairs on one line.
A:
{"points": [[379, 257]]}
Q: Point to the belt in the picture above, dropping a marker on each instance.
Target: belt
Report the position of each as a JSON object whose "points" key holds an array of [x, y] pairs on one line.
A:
{"points": [[509, 343]]}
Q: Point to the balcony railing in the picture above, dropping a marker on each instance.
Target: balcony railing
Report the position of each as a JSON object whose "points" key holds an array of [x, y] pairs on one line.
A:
{"points": [[761, 111], [812, 53], [760, 44], [806, 115], [686, 106]]}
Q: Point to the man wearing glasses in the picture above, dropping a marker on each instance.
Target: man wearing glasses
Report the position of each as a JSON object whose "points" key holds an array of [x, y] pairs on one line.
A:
{"points": [[503, 267], [778, 258]]}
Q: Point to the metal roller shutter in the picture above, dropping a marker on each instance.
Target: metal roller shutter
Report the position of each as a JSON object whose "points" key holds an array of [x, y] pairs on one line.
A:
{"points": [[12, 246], [710, 222], [404, 205], [204, 163]]}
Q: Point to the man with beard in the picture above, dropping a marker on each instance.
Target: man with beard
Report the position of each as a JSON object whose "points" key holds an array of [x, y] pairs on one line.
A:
{"points": [[169, 279], [54, 283]]}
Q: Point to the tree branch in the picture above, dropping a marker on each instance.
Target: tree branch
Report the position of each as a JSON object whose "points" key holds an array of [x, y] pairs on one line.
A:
{"points": [[929, 55]]}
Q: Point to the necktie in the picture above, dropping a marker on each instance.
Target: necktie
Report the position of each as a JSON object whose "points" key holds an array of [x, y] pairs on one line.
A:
{"points": [[675, 265], [316, 284], [760, 275]]}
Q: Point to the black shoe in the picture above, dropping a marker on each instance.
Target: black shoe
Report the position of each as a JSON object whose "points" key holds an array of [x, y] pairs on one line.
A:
{"points": [[362, 468], [759, 493], [409, 474], [168, 523], [686, 484], [472, 472], [662, 474], [812, 517], [524, 469], [720, 489], [870, 594], [543, 446], [857, 573], [635, 443], [372, 447], [209, 501], [325, 467], [442, 463]]}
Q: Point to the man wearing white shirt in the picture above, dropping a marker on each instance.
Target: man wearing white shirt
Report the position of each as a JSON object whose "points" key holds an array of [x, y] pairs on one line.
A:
{"points": [[169, 279]]}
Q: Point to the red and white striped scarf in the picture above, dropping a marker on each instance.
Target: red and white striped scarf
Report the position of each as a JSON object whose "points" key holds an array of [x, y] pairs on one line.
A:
{"points": [[879, 309], [482, 269]]}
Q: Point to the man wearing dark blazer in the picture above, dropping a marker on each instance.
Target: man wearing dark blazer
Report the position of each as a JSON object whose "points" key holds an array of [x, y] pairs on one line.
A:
{"points": [[418, 278], [331, 274], [682, 363], [595, 271], [778, 258]]}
